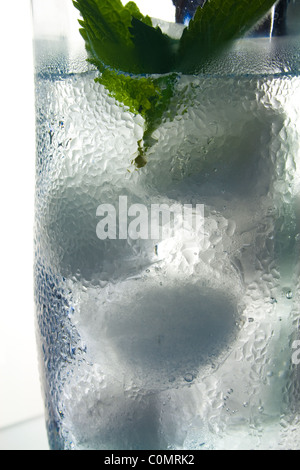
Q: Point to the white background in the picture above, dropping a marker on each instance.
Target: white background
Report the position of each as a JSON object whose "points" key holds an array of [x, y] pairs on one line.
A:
{"points": [[20, 396]]}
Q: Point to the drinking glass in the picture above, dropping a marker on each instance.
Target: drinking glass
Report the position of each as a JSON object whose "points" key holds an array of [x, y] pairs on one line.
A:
{"points": [[167, 293]]}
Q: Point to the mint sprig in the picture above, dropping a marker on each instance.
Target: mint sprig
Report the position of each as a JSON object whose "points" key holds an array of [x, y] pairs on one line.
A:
{"points": [[121, 37], [148, 96], [127, 50]]}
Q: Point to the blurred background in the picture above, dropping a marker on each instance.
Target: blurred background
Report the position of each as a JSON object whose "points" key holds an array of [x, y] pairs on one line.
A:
{"points": [[21, 408]]}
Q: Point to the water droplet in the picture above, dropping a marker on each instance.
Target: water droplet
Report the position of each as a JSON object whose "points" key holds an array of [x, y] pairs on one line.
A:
{"points": [[51, 135], [289, 295], [189, 378], [71, 310]]}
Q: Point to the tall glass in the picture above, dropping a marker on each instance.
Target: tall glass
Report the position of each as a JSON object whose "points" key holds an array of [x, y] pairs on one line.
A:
{"points": [[167, 295]]}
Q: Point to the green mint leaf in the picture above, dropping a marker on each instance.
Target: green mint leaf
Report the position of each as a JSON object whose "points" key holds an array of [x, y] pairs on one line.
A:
{"points": [[214, 27], [121, 37], [154, 114], [137, 93], [147, 96], [105, 29], [154, 48], [161, 105]]}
